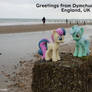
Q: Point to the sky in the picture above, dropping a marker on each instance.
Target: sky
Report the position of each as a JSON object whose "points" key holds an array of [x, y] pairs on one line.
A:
{"points": [[28, 9]]}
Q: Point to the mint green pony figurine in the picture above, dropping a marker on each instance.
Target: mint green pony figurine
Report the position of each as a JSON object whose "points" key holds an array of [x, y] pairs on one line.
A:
{"points": [[82, 44]]}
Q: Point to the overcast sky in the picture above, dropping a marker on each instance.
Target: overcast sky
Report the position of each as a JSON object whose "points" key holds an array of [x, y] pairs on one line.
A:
{"points": [[28, 9]]}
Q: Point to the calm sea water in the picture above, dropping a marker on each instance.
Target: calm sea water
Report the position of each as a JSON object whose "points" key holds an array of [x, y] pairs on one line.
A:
{"points": [[18, 21]]}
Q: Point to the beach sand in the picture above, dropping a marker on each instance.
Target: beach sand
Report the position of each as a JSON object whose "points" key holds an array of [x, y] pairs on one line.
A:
{"points": [[32, 28]]}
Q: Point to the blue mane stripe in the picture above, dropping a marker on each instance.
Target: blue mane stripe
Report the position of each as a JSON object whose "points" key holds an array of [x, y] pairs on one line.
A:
{"points": [[43, 40]]}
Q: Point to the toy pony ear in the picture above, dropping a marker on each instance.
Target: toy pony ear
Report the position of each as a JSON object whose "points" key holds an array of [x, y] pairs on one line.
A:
{"points": [[82, 30]]}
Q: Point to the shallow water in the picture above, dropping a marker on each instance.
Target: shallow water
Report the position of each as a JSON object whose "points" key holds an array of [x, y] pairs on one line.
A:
{"points": [[19, 46], [16, 47], [18, 21]]}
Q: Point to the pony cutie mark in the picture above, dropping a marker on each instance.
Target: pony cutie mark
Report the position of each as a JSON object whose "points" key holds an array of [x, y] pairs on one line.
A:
{"points": [[49, 50]]}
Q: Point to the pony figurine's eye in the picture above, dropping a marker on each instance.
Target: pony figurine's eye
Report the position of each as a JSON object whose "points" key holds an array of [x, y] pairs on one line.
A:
{"points": [[78, 35], [59, 38]]}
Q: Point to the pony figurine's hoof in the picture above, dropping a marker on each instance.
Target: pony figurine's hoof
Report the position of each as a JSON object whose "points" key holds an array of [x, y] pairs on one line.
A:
{"points": [[54, 60], [58, 59], [47, 58], [79, 55], [84, 54]]}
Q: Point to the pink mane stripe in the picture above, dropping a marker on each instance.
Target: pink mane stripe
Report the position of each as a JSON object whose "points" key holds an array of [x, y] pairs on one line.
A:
{"points": [[59, 31]]}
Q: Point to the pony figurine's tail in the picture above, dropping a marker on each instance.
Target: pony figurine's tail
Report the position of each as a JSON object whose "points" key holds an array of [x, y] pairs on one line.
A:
{"points": [[43, 47]]}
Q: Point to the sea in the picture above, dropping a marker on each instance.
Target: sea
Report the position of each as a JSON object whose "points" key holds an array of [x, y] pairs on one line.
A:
{"points": [[24, 21]]}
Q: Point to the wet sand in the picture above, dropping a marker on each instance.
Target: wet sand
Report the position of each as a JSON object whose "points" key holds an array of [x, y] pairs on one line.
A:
{"points": [[32, 28]]}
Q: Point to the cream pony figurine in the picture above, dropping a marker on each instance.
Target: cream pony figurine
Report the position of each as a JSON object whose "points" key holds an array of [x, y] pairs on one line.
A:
{"points": [[50, 50]]}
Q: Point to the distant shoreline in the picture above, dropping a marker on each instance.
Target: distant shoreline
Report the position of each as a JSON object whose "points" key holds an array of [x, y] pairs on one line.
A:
{"points": [[32, 28]]}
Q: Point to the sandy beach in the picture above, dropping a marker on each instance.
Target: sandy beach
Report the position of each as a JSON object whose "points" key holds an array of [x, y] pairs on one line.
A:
{"points": [[32, 28], [21, 43]]}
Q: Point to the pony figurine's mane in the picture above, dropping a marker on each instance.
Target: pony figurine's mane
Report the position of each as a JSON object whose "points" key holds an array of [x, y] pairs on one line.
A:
{"points": [[60, 31]]}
